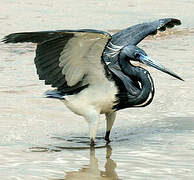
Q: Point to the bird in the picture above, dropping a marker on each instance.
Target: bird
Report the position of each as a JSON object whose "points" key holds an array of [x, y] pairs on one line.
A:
{"points": [[93, 72]]}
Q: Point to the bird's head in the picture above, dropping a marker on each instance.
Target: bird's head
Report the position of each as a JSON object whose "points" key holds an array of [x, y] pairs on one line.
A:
{"points": [[134, 53]]}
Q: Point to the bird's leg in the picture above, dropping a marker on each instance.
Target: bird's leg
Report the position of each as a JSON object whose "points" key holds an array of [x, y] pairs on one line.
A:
{"points": [[110, 118], [93, 119]]}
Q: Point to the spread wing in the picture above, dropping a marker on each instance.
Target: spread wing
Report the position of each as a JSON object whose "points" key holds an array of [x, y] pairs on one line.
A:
{"points": [[66, 59], [132, 35]]}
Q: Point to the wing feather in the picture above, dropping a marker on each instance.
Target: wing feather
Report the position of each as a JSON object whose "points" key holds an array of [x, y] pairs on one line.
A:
{"points": [[134, 34], [81, 54], [66, 59]]}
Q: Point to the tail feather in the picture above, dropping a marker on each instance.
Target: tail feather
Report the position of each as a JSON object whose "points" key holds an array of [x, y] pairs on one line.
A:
{"points": [[54, 94]]}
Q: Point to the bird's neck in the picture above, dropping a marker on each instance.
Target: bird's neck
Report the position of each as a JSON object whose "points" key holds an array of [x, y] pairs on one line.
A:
{"points": [[142, 80]]}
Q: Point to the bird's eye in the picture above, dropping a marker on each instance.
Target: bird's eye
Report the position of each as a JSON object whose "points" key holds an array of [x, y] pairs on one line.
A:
{"points": [[137, 55]]}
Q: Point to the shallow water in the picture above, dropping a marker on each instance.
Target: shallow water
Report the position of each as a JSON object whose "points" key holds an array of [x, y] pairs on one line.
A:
{"points": [[40, 139]]}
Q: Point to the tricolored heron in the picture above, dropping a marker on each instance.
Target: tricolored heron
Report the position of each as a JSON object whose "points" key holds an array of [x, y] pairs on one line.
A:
{"points": [[92, 70]]}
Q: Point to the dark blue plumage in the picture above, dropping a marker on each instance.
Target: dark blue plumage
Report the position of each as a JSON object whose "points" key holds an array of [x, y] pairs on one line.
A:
{"points": [[92, 71]]}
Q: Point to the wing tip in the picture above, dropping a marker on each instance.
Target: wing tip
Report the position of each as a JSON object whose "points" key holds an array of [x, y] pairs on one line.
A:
{"points": [[15, 38], [7, 39], [177, 21], [168, 23]]}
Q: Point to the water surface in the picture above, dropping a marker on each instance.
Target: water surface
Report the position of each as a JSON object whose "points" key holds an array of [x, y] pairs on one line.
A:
{"points": [[40, 139]]}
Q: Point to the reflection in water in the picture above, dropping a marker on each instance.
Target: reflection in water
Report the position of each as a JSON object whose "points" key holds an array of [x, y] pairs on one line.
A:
{"points": [[92, 170], [109, 166]]}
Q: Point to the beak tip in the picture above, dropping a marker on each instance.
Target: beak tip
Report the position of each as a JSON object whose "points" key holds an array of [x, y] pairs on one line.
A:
{"points": [[150, 62], [180, 78]]}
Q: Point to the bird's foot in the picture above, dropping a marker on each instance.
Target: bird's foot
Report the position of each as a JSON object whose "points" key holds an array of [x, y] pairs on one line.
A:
{"points": [[107, 136], [107, 141], [92, 143]]}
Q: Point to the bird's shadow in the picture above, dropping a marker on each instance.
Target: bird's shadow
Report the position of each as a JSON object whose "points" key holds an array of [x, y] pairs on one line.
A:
{"points": [[134, 135], [70, 143]]}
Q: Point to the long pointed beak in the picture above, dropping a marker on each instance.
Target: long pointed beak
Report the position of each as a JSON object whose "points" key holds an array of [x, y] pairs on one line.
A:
{"points": [[148, 61]]}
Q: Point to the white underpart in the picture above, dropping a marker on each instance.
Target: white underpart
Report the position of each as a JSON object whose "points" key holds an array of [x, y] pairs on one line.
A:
{"points": [[81, 58]]}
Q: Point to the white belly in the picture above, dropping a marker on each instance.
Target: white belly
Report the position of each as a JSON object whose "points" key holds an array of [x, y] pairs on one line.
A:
{"points": [[98, 96]]}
